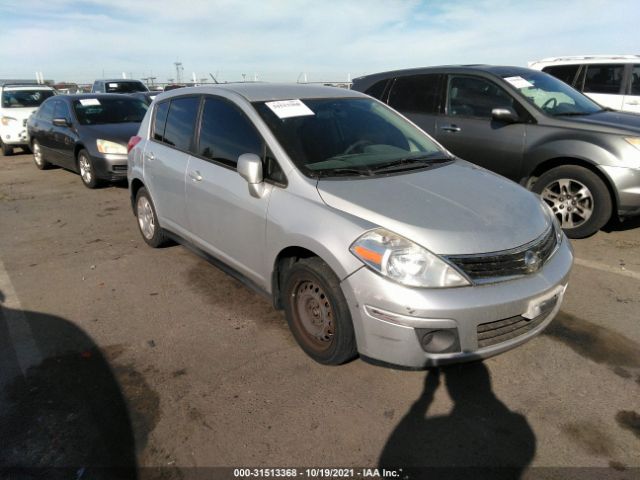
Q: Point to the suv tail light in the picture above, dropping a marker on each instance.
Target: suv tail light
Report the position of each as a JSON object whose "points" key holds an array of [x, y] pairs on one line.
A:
{"points": [[133, 141]]}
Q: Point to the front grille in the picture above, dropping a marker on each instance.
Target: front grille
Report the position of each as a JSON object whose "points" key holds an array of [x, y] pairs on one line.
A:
{"points": [[498, 266], [492, 333]]}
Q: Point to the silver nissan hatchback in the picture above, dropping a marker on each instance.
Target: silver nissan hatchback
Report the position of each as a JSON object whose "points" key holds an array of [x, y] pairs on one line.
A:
{"points": [[373, 238]]}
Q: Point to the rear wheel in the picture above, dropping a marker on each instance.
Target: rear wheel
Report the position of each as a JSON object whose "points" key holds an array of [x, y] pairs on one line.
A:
{"points": [[151, 231], [38, 158], [317, 312], [579, 199]]}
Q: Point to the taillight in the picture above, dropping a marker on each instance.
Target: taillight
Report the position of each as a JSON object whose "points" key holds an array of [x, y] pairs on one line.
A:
{"points": [[133, 141]]}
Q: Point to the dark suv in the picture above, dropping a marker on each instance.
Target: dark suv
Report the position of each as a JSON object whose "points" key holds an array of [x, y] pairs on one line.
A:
{"points": [[527, 125], [118, 86]]}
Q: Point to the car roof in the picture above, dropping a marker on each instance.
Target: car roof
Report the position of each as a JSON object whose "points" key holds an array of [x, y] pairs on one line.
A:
{"points": [[118, 80], [573, 59], [256, 92], [498, 70]]}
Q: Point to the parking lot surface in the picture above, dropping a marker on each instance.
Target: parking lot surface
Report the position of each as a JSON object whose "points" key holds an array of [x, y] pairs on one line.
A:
{"points": [[114, 353]]}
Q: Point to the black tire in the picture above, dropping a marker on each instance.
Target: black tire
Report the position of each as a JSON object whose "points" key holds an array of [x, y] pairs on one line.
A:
{"points": [[158, 237], [6, 149], [311, 293], [601, 203], [89, 179], [42, 163]]}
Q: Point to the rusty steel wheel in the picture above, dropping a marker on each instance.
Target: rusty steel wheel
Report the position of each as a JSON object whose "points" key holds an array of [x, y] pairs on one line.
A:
{"points": [[313, 313], [317, 312]]}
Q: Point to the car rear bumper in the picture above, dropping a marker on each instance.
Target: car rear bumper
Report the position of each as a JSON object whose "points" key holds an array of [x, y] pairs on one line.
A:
{"points": [[390, 320]]}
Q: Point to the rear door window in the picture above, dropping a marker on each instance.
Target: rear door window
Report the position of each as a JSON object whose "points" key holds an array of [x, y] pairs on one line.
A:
{"points": [[181, 121], [603, 78], [566, 73], [226, 133], [160, 121], [416, 94]]}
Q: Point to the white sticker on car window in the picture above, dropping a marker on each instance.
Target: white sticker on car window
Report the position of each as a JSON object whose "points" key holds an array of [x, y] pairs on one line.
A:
{"points": [[88, 102], [518, 82], [289, 108], [113, 85]]}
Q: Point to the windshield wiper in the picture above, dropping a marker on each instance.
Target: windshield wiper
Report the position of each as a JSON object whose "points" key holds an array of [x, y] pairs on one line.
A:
{"points": [[572, 114], [343, 171], [409, 163]]}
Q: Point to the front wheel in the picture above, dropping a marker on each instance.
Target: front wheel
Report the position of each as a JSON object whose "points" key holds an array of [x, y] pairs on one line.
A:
{"points": [[38, 158], [579, 199], [317, 312], [87, 172]]}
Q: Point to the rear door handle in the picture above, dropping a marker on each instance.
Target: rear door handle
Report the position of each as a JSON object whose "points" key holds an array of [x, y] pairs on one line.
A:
{"points": [[632, 102], [450, 128], [195, 175]]}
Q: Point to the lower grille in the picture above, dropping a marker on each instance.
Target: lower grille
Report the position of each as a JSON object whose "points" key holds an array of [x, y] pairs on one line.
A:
{"points": [[119, 168], [492, 333]]}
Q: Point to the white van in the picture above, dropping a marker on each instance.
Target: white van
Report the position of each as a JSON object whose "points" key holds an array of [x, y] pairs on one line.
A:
{"points": [[17, 103], [611, 80]]}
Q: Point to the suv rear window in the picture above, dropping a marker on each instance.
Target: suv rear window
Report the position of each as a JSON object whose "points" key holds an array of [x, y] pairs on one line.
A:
{"points": [[603, 78], [417, 93], [566, 73], [124, 87]]}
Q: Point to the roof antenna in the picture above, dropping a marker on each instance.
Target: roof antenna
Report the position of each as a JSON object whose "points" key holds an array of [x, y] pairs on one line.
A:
{"points": [[214, 78]]}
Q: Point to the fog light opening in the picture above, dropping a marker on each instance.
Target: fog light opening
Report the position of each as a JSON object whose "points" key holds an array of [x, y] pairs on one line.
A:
{"points": [[439, 341]]}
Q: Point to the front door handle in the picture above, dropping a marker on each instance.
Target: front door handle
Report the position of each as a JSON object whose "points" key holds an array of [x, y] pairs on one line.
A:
{"points": [[149, 156], [450, 128], [195, 175]]}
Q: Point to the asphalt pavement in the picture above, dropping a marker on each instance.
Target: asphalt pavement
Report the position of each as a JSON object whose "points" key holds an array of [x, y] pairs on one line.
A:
{"points": [[113, 353]]}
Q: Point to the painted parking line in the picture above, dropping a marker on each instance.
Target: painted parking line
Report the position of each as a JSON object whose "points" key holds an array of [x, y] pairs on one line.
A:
{"points": [[20, 335], [603, 267]]}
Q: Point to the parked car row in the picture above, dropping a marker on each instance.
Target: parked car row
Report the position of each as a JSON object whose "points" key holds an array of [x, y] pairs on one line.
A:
{"points": [[374, 237]]}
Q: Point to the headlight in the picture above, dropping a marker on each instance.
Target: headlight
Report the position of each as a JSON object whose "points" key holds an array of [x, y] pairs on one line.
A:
{"points": [[105, 146], [557, 228], [635, 141], [404, 262], [7, 120]]}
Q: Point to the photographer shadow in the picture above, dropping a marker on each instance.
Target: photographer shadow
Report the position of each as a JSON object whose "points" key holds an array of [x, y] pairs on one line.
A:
{"points": [[479, 438]]}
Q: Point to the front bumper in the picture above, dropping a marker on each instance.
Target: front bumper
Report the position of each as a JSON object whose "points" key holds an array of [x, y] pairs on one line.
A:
{"points": [[394, 340], [15, 134], [626, 182], [110, 166]]}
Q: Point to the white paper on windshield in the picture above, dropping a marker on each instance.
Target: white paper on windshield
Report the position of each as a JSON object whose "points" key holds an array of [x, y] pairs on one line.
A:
{"points": [[518, 82], [289, 108], [113, 85], [88, 102]]}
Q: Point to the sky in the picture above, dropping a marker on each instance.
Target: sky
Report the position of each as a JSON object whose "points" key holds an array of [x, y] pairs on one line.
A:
{"points": [[290, 40]]}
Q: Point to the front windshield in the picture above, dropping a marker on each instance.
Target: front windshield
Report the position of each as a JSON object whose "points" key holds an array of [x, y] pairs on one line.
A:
{"points": [[552, 96], [24, 98], [125, 87], [98, 111], [351, 136]]}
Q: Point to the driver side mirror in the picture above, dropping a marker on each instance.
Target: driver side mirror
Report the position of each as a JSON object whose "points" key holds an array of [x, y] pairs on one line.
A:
{"points": [[505, 114], [61, 122], [250, 168]]}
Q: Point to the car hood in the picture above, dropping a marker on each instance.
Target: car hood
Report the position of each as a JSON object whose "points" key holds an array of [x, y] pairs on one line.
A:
{"points": [[114, 132], [457, 208], [621, 122]]}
